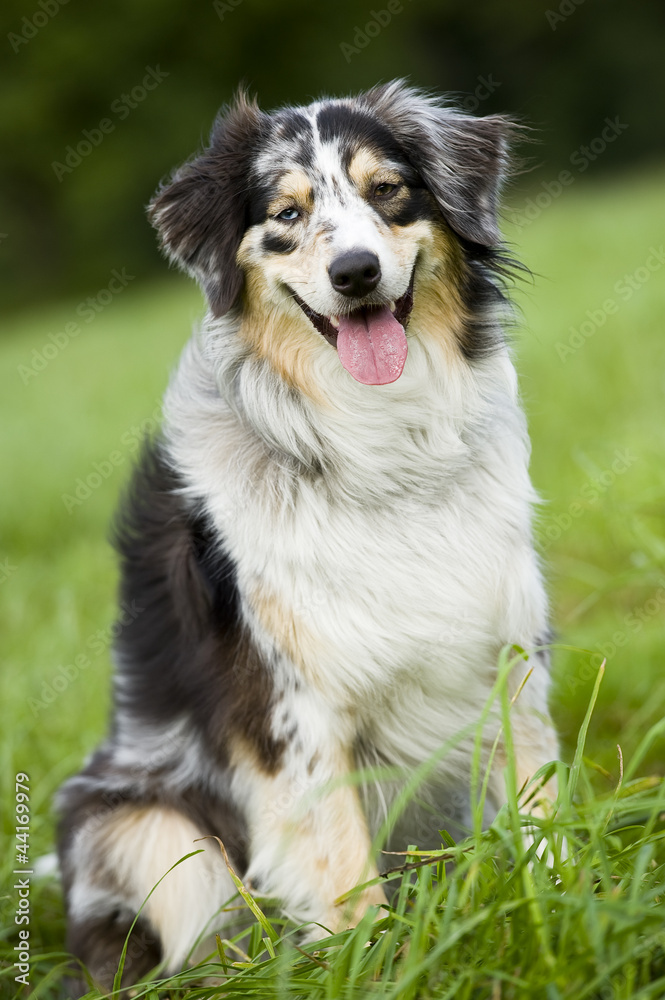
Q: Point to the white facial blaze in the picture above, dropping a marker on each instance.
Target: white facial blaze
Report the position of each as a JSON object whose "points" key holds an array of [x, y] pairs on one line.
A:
{"points": [[340, 220]]}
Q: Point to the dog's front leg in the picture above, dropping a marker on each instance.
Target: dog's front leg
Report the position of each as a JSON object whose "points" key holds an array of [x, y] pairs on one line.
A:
{"points": [[535, 744], [309, 841]]}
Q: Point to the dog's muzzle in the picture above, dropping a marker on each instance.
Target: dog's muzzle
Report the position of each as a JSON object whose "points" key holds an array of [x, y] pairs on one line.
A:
{"points": [[371, 341]]}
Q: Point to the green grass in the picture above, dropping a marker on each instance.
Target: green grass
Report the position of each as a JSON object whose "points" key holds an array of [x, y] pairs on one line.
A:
{"points": [[491, 926]]}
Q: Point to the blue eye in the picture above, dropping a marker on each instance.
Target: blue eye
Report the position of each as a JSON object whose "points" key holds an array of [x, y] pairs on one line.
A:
{"points": [[288, 215]]}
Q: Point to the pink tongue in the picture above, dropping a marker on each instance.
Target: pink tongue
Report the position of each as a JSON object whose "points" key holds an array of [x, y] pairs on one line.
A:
{"points": [[372, 346]]}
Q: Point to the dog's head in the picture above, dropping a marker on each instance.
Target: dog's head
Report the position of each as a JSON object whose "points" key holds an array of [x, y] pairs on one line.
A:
{"points": [[333, 219]]}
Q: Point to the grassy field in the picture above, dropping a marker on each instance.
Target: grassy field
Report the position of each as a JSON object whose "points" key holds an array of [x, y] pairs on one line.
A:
{"points": [[79, 386]]}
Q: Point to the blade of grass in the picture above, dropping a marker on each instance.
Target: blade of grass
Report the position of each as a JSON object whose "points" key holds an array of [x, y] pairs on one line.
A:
{"points": [[117, 979]]}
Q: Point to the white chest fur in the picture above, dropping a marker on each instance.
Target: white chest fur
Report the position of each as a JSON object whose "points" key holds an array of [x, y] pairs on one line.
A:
{"points": [[400, 559]]}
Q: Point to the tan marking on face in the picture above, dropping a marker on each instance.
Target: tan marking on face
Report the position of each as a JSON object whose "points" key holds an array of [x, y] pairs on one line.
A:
{"points": [[281, 335], [406, 242], [365, 165], [367, 170], [438, 312], [294, 188], [289, 631]]}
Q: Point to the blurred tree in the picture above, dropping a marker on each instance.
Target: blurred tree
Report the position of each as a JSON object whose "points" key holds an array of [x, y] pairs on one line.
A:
{"points": [[87, 132]]}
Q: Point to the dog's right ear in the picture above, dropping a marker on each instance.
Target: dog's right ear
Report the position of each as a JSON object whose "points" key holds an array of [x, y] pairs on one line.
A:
{"points": [[201, 213]]}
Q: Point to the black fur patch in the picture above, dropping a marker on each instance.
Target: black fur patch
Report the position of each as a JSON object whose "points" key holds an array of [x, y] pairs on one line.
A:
{"points": [[98, 943], [480, 333], [261, 194], [356, 128], [187, 649], [402, 211], [202, 213], [484, 289], [279, 243], [291, 124], [183, 655]]}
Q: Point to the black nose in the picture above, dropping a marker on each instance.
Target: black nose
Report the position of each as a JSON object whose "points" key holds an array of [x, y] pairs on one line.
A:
{"points": [[355, 273]]}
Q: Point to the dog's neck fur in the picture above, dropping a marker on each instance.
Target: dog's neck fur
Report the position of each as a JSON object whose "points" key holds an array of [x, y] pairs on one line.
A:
{"points": [[364, 444]]}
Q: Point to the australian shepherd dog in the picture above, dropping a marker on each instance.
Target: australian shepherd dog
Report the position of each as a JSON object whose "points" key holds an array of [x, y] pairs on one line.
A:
{"points": [[329, 543]]}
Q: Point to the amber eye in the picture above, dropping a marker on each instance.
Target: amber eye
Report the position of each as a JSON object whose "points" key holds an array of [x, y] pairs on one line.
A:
{"points": [[383, 190]]}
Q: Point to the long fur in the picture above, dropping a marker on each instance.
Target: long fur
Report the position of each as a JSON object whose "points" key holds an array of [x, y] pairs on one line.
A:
{"points": [[324, 571]]}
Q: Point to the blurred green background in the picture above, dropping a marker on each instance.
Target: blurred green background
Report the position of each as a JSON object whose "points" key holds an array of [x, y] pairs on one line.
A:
{"points": [[562, 65], [99, 101]]}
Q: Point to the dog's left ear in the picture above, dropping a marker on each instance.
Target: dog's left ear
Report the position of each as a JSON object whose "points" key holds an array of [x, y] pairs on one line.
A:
{"points": [[461, 159], [201, 213]]}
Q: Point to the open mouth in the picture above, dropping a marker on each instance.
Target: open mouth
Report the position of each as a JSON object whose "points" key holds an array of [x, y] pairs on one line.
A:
{"points": [[370, 341]]}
